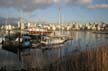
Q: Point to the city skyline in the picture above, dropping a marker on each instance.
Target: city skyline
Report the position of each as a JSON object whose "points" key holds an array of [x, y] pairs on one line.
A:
{"points": [[47, 10]]}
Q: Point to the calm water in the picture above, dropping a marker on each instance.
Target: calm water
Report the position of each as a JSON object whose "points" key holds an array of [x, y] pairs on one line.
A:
{"points": [[80, 40]]}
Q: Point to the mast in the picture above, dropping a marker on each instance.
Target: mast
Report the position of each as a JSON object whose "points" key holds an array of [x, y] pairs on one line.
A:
{"points": [[6, 25], [60, 17], [4, 30], [20, 33], [59, 10]]}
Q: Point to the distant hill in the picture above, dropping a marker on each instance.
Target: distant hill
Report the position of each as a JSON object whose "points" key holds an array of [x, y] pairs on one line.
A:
{"points": [[12, 21]]}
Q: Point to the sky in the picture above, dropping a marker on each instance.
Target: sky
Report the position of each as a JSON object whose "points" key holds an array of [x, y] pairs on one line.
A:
{"points": [[48, 10]]}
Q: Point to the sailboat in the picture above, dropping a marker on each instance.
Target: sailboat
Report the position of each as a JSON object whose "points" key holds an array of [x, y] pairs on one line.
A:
{"points": [[56, 39], [53, 40]]}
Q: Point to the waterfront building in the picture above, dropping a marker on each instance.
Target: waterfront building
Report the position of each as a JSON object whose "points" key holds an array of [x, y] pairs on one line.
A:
{"points": [[53, 27], [68, 27], [21, 25]]}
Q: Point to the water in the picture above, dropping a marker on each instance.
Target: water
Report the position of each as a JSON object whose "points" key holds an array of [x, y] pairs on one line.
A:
{"points": [[9, 61], [81, 40]]}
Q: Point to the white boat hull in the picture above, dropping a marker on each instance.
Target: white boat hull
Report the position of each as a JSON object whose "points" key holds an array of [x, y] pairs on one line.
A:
{"points": [[54, 41]]}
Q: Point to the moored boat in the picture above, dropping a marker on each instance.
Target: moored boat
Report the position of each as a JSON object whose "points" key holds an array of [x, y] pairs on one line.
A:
{"points": [[15, 43], [38, 31], [53, 41]]}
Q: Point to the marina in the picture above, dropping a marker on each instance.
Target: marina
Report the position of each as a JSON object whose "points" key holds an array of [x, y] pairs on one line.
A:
{"points": [[82, 42], [53, 35]]}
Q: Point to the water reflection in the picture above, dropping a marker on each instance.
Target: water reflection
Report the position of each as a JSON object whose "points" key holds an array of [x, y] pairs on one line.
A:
{"points": [[9, 60], [81, 40]]}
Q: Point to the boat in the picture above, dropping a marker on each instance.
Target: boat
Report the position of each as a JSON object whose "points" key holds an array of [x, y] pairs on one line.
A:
{"points": [[14, 43], [53, 41], [38, 31]]}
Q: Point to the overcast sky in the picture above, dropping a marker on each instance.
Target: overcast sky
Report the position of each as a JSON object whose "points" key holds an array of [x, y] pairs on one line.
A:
{"points": [[71, 10]]}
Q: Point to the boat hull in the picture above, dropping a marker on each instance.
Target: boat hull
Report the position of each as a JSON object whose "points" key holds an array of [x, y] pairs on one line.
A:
{"points": [[53, 42]]}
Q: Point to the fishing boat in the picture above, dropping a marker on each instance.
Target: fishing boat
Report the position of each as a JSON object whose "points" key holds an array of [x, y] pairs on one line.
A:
{"points": [[10, 44], [14, 43]]}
